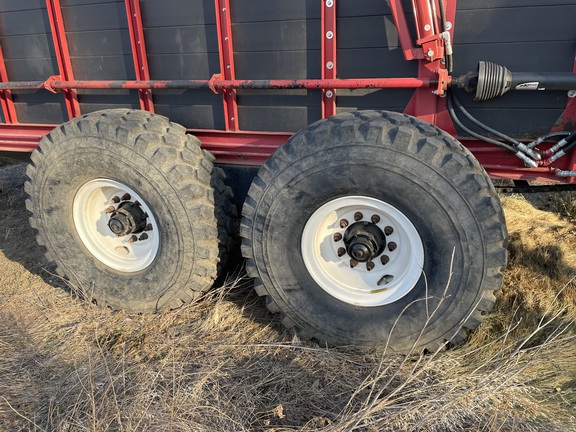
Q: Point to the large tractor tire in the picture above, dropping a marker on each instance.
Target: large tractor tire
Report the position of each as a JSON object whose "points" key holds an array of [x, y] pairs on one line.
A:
{"points": [[375, 228], [130, 208]]}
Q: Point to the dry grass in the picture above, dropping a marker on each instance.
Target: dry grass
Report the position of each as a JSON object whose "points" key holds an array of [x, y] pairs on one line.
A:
{"points": [[222, 364]]}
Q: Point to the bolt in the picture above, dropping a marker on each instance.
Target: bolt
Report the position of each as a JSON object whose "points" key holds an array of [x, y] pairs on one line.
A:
{"points": [[369, 265], [132, 239], [343, 223], [384, 259], [375, 219], [329, 35], [329, 3], [448, 25], [144, 236], [148, 227], [115, 200], [329, 65], [232, 119], [329, 93], [126, 197], [571, 93], [353, 263], [227, 66], [358, 216], [427, 27], [341, 251], [110, 209], [392, 246], [430, 53], [337, 237], [388, 230]]}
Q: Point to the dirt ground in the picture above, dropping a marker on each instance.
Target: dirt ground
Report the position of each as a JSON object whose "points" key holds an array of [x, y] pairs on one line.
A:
{"points": [[223, 363]]}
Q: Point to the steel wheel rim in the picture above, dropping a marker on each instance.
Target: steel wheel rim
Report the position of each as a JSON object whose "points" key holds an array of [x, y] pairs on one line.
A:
{"points": [[358, 285], [91, 222]]}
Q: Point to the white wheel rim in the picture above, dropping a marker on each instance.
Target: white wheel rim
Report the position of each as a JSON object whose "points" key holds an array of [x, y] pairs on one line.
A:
{"points": [[91, 221], [385, 283]]}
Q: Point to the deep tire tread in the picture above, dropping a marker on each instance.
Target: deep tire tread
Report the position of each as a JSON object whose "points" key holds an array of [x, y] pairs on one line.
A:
{"points": [[408, 135], [180, 159]]}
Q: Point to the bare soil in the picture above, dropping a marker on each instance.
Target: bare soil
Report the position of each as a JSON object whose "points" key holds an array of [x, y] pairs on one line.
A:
{"points": [[223, 363]]}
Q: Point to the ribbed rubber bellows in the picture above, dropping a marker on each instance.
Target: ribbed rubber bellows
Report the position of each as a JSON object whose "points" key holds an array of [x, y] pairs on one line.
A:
{"points": [[493, 81]]}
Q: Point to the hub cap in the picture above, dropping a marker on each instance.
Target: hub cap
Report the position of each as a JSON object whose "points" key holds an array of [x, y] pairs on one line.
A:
{"points": [[116, 225], [362, 251]]}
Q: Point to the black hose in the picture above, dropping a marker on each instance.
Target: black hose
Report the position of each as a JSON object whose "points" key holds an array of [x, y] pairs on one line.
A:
{"points": [[470, 132], [553, 135], [482, 125]]}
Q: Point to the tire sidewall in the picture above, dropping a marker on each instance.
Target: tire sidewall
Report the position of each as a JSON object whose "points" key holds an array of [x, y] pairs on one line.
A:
{"points": [[441, 214], [89, 158]]}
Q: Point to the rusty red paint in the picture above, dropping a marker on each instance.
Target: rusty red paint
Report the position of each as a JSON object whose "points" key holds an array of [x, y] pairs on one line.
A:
{"points": [[136, 31], [8, 108], [218, 84], [62, 54], [226, 54]]}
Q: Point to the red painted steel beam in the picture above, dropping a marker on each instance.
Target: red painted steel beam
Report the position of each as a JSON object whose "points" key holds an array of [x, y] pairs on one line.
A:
{"points": [[139, 56], [21, 137], [62, 54], [253, 148], [226, 54], [6, 95], [218, 84], [328, 19], [408, 48]]}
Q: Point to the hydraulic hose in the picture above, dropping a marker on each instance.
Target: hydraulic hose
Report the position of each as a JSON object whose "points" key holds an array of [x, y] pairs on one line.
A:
{"points": [[518, 144], [527, 160], [546, 137]]}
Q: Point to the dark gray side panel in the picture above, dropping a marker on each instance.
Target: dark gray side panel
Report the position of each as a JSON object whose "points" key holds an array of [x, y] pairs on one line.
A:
{"points": [[527, 35], [182, 44], [29, 55]]}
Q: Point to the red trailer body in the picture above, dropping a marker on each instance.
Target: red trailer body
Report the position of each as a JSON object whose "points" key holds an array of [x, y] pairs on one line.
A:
{"points": [[243, 77]]}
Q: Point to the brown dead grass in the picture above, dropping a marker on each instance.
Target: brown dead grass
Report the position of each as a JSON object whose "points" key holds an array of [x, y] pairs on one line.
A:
{"points": [[223, 364]]}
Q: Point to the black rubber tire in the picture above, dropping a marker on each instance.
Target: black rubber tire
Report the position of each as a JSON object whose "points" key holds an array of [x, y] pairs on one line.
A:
{"points": [[422, 171], [158, 160]]}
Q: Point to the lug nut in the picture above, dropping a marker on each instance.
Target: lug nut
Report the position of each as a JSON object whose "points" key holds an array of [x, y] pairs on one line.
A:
{"points": [[343, 223], [115, 200], [126, 197], [388, 230], [341, 251], [136, 203], [148, 227], [145, 215], [353, 263], [110, 209], [337, 237], [375, 219], [358, 216], [369, 265], [132, 239], [392, 246], [144, 236], [384, 259]]}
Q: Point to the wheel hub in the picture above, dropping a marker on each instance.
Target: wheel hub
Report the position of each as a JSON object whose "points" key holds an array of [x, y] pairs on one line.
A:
{"points": [[364, 241], [128, 218], [362, 251]]}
